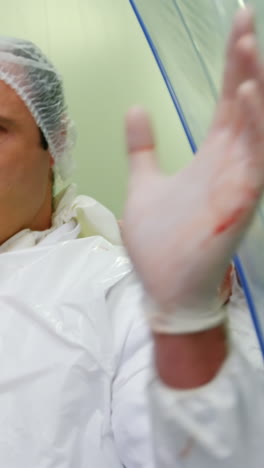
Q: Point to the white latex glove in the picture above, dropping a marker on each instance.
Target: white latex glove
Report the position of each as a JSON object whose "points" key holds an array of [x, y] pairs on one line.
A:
{"points": [[182, 230]]}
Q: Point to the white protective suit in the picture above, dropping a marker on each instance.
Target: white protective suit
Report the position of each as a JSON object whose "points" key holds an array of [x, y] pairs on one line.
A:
{"points": [[76, 360]]}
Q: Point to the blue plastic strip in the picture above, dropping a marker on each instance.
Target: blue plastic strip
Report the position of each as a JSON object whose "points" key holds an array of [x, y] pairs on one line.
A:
{"points": [[166, 78], [193, 146]]}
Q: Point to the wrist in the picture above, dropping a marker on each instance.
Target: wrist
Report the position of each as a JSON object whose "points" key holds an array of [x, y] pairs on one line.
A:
{"points": [[190, 360], [178, 318]]}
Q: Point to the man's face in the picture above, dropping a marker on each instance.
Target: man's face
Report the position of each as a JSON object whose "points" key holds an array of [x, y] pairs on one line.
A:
{"points": [[24, 164]]}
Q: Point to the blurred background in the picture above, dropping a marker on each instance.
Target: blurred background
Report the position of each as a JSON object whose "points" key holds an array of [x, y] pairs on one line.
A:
{"points": [[107, 66]]}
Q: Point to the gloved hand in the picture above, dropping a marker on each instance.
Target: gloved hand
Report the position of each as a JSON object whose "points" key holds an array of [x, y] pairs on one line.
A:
{"points": [[182, 230]]}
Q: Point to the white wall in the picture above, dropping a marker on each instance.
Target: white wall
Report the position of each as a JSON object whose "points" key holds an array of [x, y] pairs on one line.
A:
{"points": [[107, 66]]}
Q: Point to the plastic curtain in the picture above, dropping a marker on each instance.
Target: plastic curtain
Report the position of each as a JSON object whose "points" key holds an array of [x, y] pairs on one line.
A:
{"points": [[188, 39]]}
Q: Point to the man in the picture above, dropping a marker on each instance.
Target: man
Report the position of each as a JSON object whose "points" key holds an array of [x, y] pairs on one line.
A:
{"points": [[75, 345]]}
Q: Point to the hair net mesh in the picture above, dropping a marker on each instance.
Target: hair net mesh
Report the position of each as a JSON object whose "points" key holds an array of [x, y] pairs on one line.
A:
{"points": [[33, 77]]}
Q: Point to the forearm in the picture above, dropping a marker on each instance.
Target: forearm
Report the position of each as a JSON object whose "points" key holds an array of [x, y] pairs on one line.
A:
{"points": [[219, 425], [190, 360]]}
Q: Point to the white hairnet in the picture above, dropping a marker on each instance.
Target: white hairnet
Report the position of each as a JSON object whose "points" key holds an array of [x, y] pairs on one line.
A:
{"points": [[26, 69]]}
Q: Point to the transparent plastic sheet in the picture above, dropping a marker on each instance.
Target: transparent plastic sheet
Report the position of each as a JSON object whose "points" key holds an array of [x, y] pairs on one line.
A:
{"points": [[188, 40]]}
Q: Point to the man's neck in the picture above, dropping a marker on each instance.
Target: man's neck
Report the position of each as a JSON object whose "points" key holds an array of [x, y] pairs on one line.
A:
{"points": [[43, 219], [40, 222]]}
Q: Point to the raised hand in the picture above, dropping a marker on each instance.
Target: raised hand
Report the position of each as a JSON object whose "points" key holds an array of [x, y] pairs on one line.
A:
{"points": [[182, 230]]}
